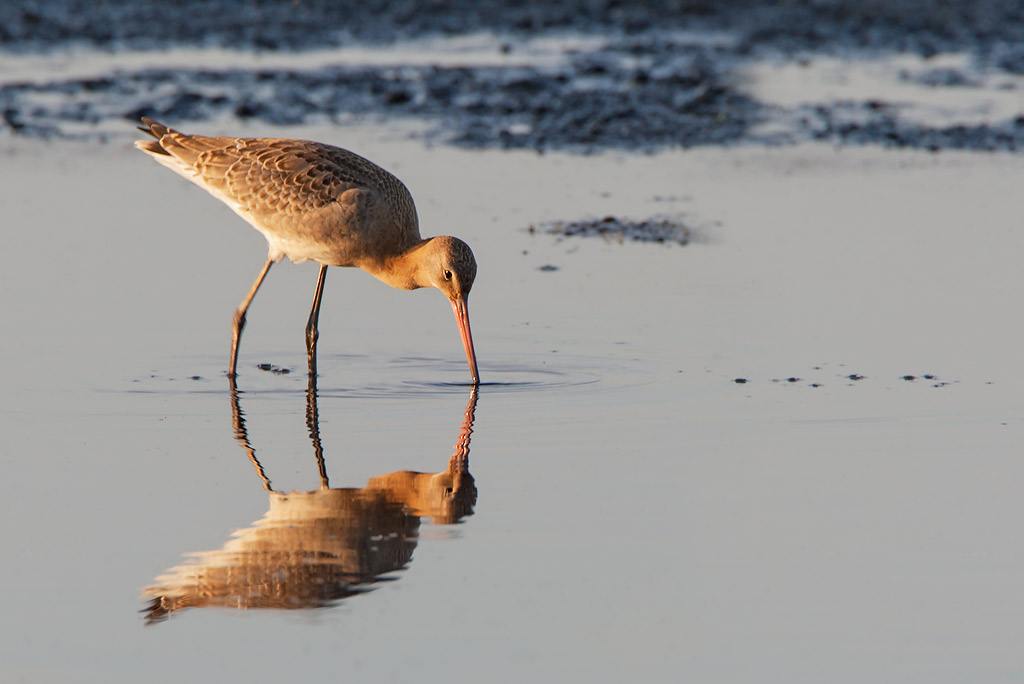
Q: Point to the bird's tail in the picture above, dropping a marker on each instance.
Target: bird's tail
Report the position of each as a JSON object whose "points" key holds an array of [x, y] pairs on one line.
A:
{"points": [[158, 131], [185, 149]]}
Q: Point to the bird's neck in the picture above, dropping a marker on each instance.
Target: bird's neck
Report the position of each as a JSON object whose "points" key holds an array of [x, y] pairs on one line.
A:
{"points": [[405, 271]]}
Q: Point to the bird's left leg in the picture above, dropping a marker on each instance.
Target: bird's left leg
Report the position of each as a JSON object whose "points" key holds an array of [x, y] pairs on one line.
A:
{"points": [[238, 323], [312, 332]]}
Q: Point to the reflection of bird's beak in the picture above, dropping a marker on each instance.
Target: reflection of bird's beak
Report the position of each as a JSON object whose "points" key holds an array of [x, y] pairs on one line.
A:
{"points": [[461, 308]]}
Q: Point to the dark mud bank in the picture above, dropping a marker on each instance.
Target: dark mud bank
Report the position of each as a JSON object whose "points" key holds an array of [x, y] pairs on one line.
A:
{"points": [[923, 26], [654, 80]]}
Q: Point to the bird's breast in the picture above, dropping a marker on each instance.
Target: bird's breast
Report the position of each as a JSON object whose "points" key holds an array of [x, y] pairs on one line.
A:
{"points": [[332, 245], [356, 228]]}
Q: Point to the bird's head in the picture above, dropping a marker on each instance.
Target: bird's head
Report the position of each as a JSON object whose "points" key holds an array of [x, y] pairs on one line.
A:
{"points": [[453, 268], [452, 271]]}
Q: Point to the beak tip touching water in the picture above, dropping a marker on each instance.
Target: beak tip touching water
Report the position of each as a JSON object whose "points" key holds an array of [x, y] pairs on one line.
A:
{"points": [[461, 308]]}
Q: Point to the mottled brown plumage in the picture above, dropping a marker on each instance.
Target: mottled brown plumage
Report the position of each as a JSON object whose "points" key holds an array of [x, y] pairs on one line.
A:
{"points": [[321, 203]]}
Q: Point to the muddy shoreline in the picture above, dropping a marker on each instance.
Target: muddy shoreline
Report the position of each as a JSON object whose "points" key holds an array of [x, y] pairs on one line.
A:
{"points": [[662, 75]]}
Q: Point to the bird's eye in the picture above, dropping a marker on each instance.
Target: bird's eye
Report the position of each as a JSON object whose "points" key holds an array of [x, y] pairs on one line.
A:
{"points": [[447, 274]]}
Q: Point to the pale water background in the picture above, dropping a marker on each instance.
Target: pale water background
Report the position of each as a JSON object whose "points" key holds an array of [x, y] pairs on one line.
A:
{"points": [[641, 517]]}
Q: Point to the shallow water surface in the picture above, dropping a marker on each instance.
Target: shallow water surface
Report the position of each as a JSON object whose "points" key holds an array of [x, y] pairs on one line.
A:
{"points": [[636, 513]]}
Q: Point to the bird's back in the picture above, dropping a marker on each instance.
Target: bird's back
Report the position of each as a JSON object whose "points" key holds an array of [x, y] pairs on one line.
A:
{"points": [[310, 200]]}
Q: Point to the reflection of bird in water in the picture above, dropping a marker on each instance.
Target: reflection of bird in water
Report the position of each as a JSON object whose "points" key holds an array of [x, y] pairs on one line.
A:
{"points": [[314, 548], [317, 202]]}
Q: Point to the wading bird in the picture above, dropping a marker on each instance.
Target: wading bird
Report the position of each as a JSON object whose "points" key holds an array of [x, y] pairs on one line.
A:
{"points": [[320, 203]]}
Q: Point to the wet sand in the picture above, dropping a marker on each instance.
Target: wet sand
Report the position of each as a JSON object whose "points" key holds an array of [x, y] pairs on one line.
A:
{"points": [[640, 514]]}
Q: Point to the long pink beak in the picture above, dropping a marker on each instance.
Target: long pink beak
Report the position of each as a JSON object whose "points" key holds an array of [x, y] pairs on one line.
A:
{"points": [[461, 309]]}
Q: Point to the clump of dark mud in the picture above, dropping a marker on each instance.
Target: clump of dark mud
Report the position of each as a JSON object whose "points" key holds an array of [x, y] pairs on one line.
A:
{"points": [[276, 370], [868, 123], [613, 228]]}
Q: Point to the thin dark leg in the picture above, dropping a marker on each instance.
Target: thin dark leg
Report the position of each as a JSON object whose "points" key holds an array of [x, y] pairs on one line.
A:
{"points": [[239, 320], [242, 435], [312, 332], [313, 424]]}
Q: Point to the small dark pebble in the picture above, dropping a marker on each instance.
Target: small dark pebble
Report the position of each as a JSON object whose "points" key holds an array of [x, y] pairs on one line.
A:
{"points": [[265, 366], [282, 371], [855, 376], [928, 376], [793, 379], [196, 377], [397, 97], [740, 381], [548, 267], [815, 384], [909, 378]]}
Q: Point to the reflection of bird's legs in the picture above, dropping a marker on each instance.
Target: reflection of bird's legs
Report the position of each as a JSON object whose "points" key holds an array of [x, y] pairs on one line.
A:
{"points": [[312, 331], [242, 435], [313, 424], [239, 321]]}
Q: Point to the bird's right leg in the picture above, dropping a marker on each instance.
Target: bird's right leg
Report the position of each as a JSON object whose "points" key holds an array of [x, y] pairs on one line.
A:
{"points": [[312, 326], [313, 423], [239, 320]]}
